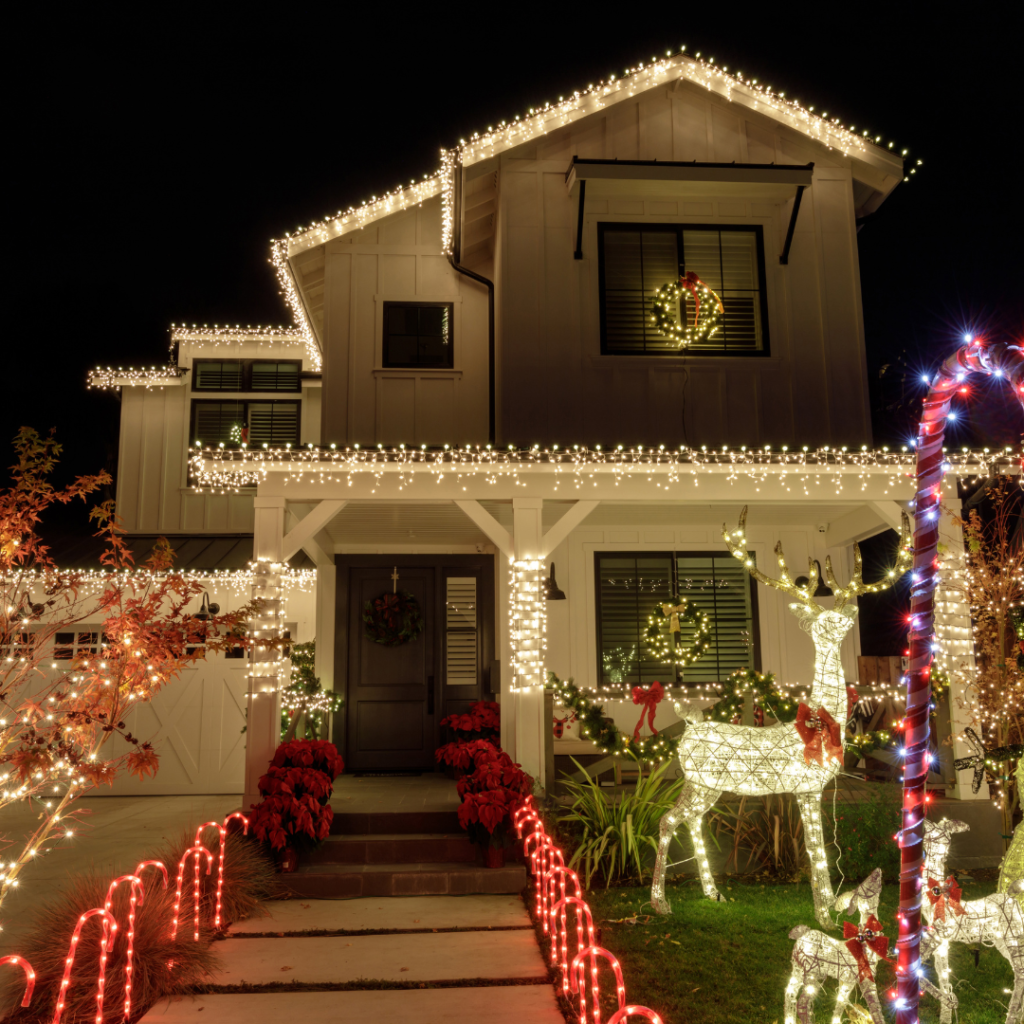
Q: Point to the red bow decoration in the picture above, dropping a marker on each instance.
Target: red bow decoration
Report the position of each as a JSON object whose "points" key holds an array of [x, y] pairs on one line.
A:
{"points": [[650, 699], [872, 937], [692, 283], [820, 733], [938, 894]]}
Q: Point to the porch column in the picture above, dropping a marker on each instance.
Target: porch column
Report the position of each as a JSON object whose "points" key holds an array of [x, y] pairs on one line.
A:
{"points": [[526, 598], [326, 589], [269, 669], [954, 632]]}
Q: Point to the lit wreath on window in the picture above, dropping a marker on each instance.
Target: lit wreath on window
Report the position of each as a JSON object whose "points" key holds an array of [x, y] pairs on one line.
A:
{"points": [[707, 317], [665, 621], [392, 619]]}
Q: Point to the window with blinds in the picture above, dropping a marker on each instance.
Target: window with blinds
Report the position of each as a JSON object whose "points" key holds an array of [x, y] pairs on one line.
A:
{"points": [[246, 375], [461, 638], [272, 423], [636, 260], [629, 587]]}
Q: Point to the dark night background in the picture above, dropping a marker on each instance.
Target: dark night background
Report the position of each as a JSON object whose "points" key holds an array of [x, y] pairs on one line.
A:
{"points": [[156, 157]]}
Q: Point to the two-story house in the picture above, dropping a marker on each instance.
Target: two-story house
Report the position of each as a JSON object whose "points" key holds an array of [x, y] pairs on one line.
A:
{"points": [[477, 393]]}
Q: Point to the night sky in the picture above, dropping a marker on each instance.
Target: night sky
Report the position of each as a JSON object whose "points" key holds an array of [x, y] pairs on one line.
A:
{"points": [[152, 161]]}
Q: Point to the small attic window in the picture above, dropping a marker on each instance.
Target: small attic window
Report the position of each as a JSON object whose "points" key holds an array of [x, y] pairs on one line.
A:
{"points": [[418, 334]]}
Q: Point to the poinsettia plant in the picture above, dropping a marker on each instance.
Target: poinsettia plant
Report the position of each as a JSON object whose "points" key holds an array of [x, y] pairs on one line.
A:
{"points": [[490, 793], [481, 722], [296, 806]]}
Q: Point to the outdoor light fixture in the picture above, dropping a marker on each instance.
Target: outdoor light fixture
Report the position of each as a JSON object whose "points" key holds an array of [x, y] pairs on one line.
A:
{"points": [[820, 590], [551, 591], [207, 608]]}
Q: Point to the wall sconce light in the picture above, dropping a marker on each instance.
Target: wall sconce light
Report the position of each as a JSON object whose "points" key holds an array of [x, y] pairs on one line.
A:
{"points": [[552, 593], [820, 590]]}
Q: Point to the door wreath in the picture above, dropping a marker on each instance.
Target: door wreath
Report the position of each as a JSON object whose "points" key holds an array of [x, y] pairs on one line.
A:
{"points": [[392, 619]]}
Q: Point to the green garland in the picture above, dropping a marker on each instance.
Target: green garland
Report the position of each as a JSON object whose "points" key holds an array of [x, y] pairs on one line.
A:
{"points": [[392, 619], [663, 647], [766, 696]]}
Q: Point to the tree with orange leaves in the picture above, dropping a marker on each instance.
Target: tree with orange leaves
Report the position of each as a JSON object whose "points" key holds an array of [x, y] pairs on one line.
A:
{"points": [[56, 723]]}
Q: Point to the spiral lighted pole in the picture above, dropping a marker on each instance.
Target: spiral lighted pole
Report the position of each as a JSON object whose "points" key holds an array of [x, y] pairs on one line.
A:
{"points": [[1001, 361]]}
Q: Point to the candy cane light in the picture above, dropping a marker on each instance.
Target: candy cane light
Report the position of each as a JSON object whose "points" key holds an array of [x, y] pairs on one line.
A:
{"points": [[584, 919], [577, 980], [109, 927], [30, 975], [197, 853], [136, 895], [222, 833], [621, 1016], [1000, 362]]}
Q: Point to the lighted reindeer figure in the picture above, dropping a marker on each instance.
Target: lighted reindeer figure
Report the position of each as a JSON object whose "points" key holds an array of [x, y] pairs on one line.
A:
{"points": [[799, 758], [849, 961], [996, 920]]}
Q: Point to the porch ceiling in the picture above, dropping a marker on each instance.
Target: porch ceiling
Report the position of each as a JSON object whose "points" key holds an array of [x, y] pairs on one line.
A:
{"points": [[442, 523]]}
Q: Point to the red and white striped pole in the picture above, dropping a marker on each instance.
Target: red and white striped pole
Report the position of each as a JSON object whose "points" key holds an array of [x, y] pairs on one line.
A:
{"points": [[1000, 361]]}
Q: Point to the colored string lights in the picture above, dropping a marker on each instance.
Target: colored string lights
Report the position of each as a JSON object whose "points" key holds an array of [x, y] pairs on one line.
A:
{"points": [[580, 972], [1000, 362], [799, 758], [109, 928], [195, 853], [30, 975], [222, 834]]}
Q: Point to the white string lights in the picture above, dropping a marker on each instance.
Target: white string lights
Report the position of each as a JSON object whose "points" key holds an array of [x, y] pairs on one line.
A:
{"points": [[222, 470], [799, 758], [527, 625], [148, 377]]}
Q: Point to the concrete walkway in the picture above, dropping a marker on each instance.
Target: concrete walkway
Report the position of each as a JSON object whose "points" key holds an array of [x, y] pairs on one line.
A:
{"points": [[480, 949]]}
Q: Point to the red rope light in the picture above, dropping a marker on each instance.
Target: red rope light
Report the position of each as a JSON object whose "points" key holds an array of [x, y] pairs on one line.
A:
{"points": [[30, 975], [999, 361]]}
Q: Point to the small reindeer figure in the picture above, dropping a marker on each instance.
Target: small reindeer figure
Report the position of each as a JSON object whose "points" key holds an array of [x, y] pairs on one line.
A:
{"points": [[800, 758], [996, 920], [850, 960]]}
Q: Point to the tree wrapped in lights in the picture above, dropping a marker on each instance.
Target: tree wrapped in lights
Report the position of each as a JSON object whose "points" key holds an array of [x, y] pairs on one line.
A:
{"points": [[799, 758], [56, 722], [989, 578], [305, 704]]}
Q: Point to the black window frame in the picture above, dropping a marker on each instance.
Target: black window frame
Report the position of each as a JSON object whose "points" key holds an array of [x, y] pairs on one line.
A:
{"points": [[246, 403], [604, 227], [385, 361], [246, 383], [673, 559]]}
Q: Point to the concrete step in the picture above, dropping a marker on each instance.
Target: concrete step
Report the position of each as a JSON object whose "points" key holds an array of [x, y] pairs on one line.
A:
{"points": [[334, 881], [413, 848], [396, 823]]}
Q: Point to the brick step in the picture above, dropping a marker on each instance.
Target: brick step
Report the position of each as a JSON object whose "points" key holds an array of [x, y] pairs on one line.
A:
{"points": [[411, 848], [336, 881], [397, 823]]}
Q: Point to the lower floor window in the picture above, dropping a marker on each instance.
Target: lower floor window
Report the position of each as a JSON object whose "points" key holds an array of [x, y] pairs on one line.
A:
{"points": [[274, 424], [631, 585]]}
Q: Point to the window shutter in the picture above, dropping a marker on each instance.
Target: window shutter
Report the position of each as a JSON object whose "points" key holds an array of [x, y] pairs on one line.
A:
{"points": [[273, 423], [270, 376], [461, 632]]}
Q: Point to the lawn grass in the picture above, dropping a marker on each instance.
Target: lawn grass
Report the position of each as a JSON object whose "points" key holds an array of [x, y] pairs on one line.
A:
{"points": [[714, 963]]}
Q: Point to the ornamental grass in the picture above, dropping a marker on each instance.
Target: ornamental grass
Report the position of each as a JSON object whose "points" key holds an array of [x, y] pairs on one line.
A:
{"points": [[248, 879]]}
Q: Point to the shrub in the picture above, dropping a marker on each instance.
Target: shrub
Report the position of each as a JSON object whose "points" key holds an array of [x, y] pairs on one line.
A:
{"points": [[864, 830], [618, 833], [765, 833]]}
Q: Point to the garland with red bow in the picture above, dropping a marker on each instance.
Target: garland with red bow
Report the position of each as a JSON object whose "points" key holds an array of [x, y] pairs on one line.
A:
{"points": [[860, 938], [649, 700], [942, 893], [821, 735]]}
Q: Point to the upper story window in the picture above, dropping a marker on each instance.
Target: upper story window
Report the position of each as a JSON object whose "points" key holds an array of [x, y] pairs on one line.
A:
{"points": [[418, 334], [629, 587], [274, 424], [636, 260], [246, 375]]}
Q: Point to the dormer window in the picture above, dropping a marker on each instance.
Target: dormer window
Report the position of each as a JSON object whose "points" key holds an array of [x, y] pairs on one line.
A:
{"points": [[246, 375], [637, 259]]}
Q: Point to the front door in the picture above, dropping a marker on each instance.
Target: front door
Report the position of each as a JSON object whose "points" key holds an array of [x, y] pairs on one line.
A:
{"points": [[392, 691]]}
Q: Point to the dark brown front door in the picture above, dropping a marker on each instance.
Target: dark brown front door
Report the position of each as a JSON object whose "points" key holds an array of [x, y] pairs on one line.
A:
{"points": [[392, 691]]}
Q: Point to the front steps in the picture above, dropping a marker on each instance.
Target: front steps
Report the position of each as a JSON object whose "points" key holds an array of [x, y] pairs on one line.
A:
{"points": [[413, 853]]}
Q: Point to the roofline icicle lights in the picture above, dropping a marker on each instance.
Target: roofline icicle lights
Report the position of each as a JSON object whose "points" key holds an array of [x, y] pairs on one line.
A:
{"points": [[999, 361]]}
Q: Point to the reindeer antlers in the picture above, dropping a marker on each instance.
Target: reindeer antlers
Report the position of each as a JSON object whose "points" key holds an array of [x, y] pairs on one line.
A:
{"points": [[736, 542]]}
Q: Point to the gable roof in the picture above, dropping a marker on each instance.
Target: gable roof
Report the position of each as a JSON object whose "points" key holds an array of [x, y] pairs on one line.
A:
{"points": [[734, 87]]}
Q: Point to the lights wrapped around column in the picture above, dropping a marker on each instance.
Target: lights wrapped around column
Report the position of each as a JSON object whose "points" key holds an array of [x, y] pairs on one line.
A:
{"points": [[270, 667], [527, 624]]}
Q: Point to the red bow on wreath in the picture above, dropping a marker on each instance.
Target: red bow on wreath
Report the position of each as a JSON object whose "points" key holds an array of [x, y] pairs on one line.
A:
{"points": [[869, 935], [852, 699], [387, 605], [939, 894], [820, 733], [692, 283], [650, 699]]}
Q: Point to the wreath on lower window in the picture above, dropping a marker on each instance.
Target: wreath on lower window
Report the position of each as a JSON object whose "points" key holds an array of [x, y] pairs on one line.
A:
{"points": [[392, 619]]}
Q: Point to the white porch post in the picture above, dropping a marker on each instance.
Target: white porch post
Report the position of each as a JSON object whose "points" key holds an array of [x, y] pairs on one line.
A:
{"points": [[263, 724], [326, 587], [527, 539]]}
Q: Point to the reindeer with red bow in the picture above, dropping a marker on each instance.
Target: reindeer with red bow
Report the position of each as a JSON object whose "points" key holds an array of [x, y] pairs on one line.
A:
{"points": [[851, 960], [799, 758], [996, 920]]}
